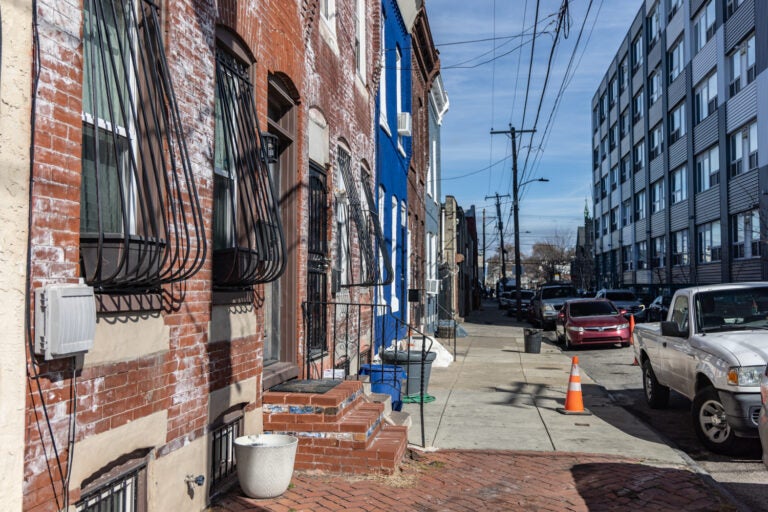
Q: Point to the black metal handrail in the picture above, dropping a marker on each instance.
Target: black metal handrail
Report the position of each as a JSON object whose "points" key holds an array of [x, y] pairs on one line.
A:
{"points": [[354, 335]]}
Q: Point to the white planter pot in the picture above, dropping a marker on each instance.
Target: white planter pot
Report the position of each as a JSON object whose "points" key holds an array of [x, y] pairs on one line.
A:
{"points": [[265, 464]]}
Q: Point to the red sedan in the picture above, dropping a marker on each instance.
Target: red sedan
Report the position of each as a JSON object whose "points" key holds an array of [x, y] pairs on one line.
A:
{"points": [[591, 322]]}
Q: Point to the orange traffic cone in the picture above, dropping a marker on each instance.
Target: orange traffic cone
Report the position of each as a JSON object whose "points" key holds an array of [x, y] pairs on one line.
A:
{"points": [[573, 400]]}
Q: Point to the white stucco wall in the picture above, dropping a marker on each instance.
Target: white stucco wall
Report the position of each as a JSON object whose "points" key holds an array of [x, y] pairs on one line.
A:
{"points": [[14, 190]]}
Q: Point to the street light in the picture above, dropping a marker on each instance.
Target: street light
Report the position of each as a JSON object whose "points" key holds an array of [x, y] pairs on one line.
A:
{"points": [[515, 208]]}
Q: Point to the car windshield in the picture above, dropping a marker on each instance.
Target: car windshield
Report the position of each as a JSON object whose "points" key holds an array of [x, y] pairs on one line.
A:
{"points": [[526, 295], [596, 308], [732, 310], [623, 296], [558, 292]]}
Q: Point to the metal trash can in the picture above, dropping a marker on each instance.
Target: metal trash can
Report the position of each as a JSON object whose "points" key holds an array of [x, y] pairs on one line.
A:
{"points": [[412, 365], [532, 341]]}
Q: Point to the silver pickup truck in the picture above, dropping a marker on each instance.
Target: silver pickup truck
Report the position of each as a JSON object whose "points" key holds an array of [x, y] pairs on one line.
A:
{"points": [[712, 349]]}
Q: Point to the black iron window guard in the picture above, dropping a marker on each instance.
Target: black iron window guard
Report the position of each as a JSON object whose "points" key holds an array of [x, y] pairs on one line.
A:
{"points": [[367, 229], [223, 463], [249, 244], [141, 223], [120, 494]]}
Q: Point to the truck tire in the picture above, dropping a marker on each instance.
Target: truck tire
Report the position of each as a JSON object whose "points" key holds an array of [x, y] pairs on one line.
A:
{"points": [[711, 424], [656, 394]]}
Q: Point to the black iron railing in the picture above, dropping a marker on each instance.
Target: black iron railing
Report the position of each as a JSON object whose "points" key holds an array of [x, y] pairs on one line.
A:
{"points": [[356, 336]]}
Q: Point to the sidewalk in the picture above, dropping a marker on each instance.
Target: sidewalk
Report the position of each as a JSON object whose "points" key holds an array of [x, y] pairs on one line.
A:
{"points": [[496, 442]]}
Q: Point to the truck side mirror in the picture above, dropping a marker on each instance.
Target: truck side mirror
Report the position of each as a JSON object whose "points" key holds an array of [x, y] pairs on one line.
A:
{"points": [[671, 329]]}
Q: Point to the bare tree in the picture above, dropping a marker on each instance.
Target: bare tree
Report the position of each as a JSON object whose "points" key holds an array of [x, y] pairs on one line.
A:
{"points": [[550, 258]]}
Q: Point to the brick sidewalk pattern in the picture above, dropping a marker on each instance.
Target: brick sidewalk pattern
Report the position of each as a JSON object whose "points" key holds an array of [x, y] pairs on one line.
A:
{"points": [[482, 480]]}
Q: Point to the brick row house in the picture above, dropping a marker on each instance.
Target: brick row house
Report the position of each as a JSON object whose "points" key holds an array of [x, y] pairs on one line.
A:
{"points": [[210, 175]]}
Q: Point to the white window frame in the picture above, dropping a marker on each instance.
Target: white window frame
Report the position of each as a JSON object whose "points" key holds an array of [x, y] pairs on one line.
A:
{"points": [[708, 168], [360, 39], [657, 196], [383, 122], [654, 87], [399, 94], [741, 66], [678, 180], [705, 98], [709, 242], [639, 200], [676, 59], [677, 123], [703, 26]]}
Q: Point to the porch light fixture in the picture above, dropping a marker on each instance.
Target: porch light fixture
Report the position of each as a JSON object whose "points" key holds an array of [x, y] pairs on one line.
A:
{"points": [[270, 147]]}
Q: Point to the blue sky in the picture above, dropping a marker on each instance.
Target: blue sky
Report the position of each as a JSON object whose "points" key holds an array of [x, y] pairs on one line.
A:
{"points": [[486, 82]]}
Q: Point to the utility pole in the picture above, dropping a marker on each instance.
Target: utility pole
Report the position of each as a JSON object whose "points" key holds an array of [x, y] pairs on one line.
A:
{"points": [[501, 234], [484, 251], [515, 208]]}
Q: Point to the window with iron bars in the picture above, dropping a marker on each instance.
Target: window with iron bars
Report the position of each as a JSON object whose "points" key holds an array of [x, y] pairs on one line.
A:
{"points": [[223, 434], [121, 487], [141, 223], [249, 243]]}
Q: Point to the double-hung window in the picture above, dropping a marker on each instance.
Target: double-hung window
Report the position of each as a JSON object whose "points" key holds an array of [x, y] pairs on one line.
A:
{"points": [[653, 27], [141, 223], [642, 255], [638, 156], [614, 219], [731, 6], [626, 212], [658, 252], [676, 60], [654, 87], [613, 91], [637, 107], [614, 177], [613, 136], [680, 247], [708, 242], [637, 53], [625, 168], [704, 26], [249, 245], [742, 66], [742, 143], [745, 233], [705, 98], [708, 169], [678, 185], [674, 6], [657, 140], [624, 123], [677, 123], [657, 196], [640, 205], [360, 43]]}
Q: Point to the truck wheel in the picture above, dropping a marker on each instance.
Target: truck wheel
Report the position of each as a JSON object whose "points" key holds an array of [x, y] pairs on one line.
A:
{"points": [[711, 424], [656, 395]]}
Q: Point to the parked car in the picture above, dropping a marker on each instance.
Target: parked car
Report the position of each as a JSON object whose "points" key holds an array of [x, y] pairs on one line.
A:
{"points": [[657, 310], [626, 301], [591, 322], [547, 302], [762, 422], [525, 302], [713, 350], [505, 299]]}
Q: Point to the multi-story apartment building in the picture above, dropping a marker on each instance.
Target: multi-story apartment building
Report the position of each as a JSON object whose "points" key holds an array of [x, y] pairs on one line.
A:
{"points": [[679, 183]]}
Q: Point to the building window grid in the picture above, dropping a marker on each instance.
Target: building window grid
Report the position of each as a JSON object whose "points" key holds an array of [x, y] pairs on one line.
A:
{"points": [[654, 87], [704, 26], [677, 123], [614, 177], [637, 107], [678, 185], [613, 91], [745, 230], [741, 142], [623, 75], [709, 242], [705, 98], [626, 212], [657, 196], [653, 28], [638, 156], [708, 169], [625, 169], [627, 262], [614, 219], [637, 53], [658, 252], [613, 136], [680, 247], [742, 66], [657, 141]]}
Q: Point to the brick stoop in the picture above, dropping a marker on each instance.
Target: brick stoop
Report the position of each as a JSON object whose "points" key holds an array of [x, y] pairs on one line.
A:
{"points": [[339, 431]]}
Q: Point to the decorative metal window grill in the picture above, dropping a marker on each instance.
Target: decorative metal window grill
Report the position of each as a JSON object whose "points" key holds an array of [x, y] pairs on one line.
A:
{"points": [[249, 245], [120, 494], [223, 463], [141, 224], [367, 230]]}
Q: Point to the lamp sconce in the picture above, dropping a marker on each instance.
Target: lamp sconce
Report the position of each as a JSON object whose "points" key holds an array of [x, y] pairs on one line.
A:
{"points": [[271, 146]]}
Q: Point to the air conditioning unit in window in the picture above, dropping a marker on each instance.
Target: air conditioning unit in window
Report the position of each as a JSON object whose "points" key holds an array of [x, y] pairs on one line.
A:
{"points": [[433, 286], [404, 124], [65, 320]]}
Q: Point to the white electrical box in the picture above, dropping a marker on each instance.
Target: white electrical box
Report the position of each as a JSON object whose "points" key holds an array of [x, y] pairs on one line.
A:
{"points": [[65, 320]]}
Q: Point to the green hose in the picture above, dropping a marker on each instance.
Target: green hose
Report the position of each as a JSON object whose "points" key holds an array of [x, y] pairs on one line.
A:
{"points": [[416, 398]]}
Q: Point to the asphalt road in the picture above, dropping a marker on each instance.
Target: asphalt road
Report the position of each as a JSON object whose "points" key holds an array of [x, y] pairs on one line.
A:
{"points": [[744, 476]]}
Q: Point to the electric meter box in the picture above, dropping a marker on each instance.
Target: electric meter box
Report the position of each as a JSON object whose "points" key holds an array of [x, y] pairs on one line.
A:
{"points": [[65, 320]]}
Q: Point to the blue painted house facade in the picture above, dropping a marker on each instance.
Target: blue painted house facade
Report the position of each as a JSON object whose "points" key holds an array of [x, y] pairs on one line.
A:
{"points": [[394, 149]]}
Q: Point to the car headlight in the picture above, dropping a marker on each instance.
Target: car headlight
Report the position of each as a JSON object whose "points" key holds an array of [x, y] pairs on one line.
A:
{"points": [[573, 328], [548, 307], [622, 326], [745, 375]]}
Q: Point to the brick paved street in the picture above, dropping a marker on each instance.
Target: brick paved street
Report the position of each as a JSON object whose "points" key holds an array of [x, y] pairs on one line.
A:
{"points": [[482, 480]]}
